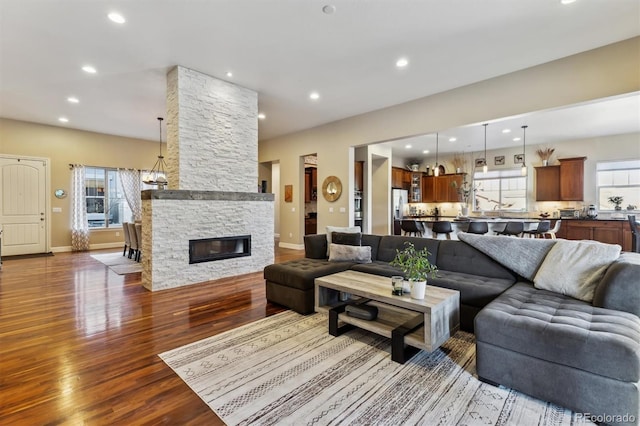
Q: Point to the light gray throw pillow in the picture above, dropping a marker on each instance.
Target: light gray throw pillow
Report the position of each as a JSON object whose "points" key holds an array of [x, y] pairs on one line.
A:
{"points": [[574, 268], [344, 253]]}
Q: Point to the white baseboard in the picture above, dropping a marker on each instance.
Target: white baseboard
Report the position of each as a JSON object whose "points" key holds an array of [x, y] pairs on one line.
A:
{"points": [[62, 249], [291, 246]]}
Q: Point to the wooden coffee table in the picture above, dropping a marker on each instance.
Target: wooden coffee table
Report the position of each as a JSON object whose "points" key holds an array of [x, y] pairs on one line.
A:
{"points": [[410, 324]]}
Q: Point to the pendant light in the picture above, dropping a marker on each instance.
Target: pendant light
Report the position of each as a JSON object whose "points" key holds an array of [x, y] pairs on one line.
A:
{"points": [[523, 170], [158, 175], [436, 170], [485, 167]]}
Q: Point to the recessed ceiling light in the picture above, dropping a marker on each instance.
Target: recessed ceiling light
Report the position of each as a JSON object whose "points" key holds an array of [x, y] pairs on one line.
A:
{"points": [[516, 139], [567, 1], [63, 119], [116, 17], [408, 146], [89, 69], [328, 9], [402, 62], [229, 74], [261, 116], [73, 99], [453, 139], [314, 95], [506, 131], [426, 151]]}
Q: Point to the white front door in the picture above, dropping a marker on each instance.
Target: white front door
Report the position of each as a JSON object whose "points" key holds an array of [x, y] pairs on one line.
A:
{"points": [[22, 206]]}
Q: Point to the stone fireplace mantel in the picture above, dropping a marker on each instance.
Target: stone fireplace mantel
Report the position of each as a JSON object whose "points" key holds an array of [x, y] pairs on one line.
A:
{"points": [[185, 194]]}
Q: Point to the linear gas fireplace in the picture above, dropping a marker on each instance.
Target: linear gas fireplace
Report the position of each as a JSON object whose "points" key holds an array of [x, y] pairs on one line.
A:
{"points": [[210, 249]]}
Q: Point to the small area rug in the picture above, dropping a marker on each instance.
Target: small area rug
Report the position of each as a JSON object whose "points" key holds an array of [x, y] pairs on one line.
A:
{"points": [[287, 370], [118, 263]]}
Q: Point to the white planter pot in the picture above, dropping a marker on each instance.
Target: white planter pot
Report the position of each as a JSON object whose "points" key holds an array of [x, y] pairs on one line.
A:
{"points": [[418, 289]]}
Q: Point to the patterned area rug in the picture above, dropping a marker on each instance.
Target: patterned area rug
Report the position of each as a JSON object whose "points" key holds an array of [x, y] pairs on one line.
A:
{"points": [[118, 263], [287, 370]]}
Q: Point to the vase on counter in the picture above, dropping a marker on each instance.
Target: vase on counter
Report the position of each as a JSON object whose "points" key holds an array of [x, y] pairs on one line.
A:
{"points": [[545, 163], [464, 210]]}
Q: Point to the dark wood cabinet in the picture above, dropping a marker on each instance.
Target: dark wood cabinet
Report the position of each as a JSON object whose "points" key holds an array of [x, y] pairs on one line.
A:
{"points": [[441, 189], [400, 178], [548, 183], [604, 231], [358, 175], [561, 183], [397, 177], [310, 226], [572, 179], [428, 189], [310, 184]]}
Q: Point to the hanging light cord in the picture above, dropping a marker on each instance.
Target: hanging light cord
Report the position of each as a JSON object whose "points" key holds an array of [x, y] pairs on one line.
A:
{"points": [[485, 167], [524, 138], [437, 169]]}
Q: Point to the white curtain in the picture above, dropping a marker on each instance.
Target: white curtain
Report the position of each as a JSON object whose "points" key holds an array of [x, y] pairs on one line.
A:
{"points": [[79, 222], [130, 180]]}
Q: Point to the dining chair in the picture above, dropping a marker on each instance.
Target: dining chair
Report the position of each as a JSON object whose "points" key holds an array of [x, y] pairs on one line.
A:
{"points": [[127, 239], [635, 234], [133, 246], [138, 227], [512, 229], [542, 228], [442, 227], [553, 231], [478, 228]]}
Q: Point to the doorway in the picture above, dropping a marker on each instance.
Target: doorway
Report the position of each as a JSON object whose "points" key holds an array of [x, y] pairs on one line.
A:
{"points": [[23, 218]]}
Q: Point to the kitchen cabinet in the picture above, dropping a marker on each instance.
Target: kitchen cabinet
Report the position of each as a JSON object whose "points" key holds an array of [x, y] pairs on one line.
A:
{"points": [[397, 177], [548, 183], [572, 179], [400, 178], [415, 193], [358, 175], [310, 184], [561, 183], [604, 231], [428, 189], [310, 226], [441, 189]]}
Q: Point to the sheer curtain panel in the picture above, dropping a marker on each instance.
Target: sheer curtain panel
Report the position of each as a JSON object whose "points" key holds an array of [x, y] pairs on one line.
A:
{"points": [[79, 222], [130, 180]]}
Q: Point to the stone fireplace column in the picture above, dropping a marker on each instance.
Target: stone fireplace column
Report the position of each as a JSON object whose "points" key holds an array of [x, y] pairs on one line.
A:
{"points": [[212, 169]]}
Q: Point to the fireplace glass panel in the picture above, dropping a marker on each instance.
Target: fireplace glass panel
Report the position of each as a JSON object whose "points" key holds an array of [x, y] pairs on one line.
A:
{"points": [[210, 249]]}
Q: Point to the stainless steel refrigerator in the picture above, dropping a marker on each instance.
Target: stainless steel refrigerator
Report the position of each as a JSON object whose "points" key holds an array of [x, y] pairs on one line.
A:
{"points": [[399, 201]]}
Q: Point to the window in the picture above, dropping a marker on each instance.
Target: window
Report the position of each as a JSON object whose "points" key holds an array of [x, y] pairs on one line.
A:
{"points": [[500, 190], [106, 205], [618, 178]]}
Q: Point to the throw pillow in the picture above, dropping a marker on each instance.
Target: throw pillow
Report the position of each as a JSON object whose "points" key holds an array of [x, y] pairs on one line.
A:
{"points": [[574, 268], [347, 238], [344, 253], [332, 229]]}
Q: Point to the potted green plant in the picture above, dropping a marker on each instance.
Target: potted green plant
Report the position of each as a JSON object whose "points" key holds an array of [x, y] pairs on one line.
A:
{"points": [[616, 200], [416, 267]]}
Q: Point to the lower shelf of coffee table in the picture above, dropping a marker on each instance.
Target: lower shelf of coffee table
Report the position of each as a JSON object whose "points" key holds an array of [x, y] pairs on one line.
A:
{"points": [[389, 318]]}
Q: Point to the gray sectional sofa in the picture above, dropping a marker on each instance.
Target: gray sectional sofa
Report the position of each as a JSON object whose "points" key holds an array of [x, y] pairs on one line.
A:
{"points": [[579, 355]]}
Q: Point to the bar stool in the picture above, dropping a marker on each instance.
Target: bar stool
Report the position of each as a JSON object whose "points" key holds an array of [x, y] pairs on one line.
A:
{"points": [[512, 229], [442, 227], [412, 227], [478, 228], [635, 233], [543, 227], [552, 232]]}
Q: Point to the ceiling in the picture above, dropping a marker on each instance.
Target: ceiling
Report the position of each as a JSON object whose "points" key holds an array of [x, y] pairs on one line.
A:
{"points": [[613, 116], [283, 49]]}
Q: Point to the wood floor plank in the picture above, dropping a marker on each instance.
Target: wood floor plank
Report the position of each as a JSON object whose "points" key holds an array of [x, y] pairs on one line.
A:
{"points": [[79, 343]]}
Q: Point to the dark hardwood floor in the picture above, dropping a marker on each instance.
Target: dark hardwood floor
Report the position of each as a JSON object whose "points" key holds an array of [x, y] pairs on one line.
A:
{"points": [[79, 344]]}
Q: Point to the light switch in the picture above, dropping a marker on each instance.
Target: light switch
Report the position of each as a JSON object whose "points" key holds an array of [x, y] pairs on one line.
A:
{"points": [[343, 210], [293, 209], [57, 209], [330, 209]]}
